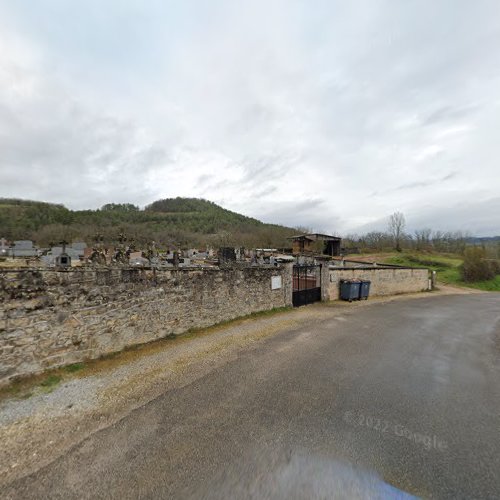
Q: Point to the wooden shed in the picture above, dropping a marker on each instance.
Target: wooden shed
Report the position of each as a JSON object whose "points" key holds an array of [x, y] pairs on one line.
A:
{"points": [[316, 243]]}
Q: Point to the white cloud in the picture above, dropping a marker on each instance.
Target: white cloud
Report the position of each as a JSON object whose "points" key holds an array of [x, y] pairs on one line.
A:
{"points": [[428, 152], [331, 116]]}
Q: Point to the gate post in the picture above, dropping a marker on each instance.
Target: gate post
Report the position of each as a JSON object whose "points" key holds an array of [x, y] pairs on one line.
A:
{"points": [[288, 283], [325, 277]]}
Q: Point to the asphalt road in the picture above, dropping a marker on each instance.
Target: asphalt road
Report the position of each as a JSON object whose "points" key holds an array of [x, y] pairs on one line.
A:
{"points": [[392, 398]]}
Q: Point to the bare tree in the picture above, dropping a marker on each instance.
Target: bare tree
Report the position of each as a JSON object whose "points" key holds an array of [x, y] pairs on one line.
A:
{"points": [[423, 238], [376, 240], [396, 228]]}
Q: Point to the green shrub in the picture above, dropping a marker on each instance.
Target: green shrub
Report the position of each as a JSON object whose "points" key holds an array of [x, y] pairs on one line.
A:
{"points": [[476, 268], [495, 265]]}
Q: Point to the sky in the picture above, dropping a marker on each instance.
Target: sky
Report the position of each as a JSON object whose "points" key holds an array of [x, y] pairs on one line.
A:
{"points": [[323, 114]]}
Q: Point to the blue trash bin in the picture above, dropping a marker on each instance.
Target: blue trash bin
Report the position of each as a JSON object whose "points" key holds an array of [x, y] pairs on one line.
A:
{"points": [[349, 290], [364, 289]]}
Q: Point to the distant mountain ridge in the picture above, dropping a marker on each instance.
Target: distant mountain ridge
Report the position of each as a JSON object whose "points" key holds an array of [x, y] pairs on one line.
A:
{"points": [[170, 221], [482, 239]]}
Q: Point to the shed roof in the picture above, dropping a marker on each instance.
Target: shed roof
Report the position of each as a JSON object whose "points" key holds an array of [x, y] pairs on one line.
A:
{"points": [[314, 237]]}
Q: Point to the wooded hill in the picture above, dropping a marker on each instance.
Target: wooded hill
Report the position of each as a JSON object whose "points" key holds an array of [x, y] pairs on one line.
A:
{"points": [[171, 222]]}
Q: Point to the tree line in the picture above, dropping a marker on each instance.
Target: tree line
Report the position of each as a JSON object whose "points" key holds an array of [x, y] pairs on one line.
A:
{"points": [[481, 257], [397, 238]]}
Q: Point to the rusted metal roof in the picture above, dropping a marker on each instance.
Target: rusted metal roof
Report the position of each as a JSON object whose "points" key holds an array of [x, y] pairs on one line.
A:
{"points": [[314, 237]]}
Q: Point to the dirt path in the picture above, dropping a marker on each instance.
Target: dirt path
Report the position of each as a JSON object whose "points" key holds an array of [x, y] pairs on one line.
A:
{"points": [[37, 430]]}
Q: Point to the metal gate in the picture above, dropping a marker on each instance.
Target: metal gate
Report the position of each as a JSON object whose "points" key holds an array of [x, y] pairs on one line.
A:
{"points": [[306, 284]]}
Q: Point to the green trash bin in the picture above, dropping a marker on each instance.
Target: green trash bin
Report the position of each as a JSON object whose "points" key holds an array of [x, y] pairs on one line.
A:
{"points": [[350, 290]]}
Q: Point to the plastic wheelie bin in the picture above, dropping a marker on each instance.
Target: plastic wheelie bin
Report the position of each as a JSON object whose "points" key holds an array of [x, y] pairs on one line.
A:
{"points": [[364, 289], [349, 290]]}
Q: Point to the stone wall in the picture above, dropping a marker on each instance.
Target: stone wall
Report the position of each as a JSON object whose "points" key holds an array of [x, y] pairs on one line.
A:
{"points": [[50, 318], [384, 281]]}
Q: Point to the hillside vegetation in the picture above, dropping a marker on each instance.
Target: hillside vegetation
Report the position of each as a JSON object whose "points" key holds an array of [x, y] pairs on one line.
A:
{"points": [[170, 222]]}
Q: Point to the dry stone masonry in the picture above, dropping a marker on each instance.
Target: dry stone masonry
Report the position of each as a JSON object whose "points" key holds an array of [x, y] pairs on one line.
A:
{"points": [[50, 318], [384, 281]]}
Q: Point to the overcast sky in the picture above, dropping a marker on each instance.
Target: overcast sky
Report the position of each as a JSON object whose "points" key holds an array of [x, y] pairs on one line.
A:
{"points": [[326, 114]]}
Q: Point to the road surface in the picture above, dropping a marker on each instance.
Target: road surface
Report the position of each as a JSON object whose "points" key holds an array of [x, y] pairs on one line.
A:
{"points": [[396, 397]]}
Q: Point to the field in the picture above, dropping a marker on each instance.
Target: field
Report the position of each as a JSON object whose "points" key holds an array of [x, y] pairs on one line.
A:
{"points": [[445, 265]]}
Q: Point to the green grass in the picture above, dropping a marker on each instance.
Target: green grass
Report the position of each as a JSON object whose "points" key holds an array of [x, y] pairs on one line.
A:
{"points": [[492, 285], [254, 315], [447, 267], [75, 367], [425, 260], [24, 388], [51, 381]]}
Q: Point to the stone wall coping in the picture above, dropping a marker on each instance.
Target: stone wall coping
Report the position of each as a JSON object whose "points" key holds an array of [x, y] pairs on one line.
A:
{"points": [[131, 268]]}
